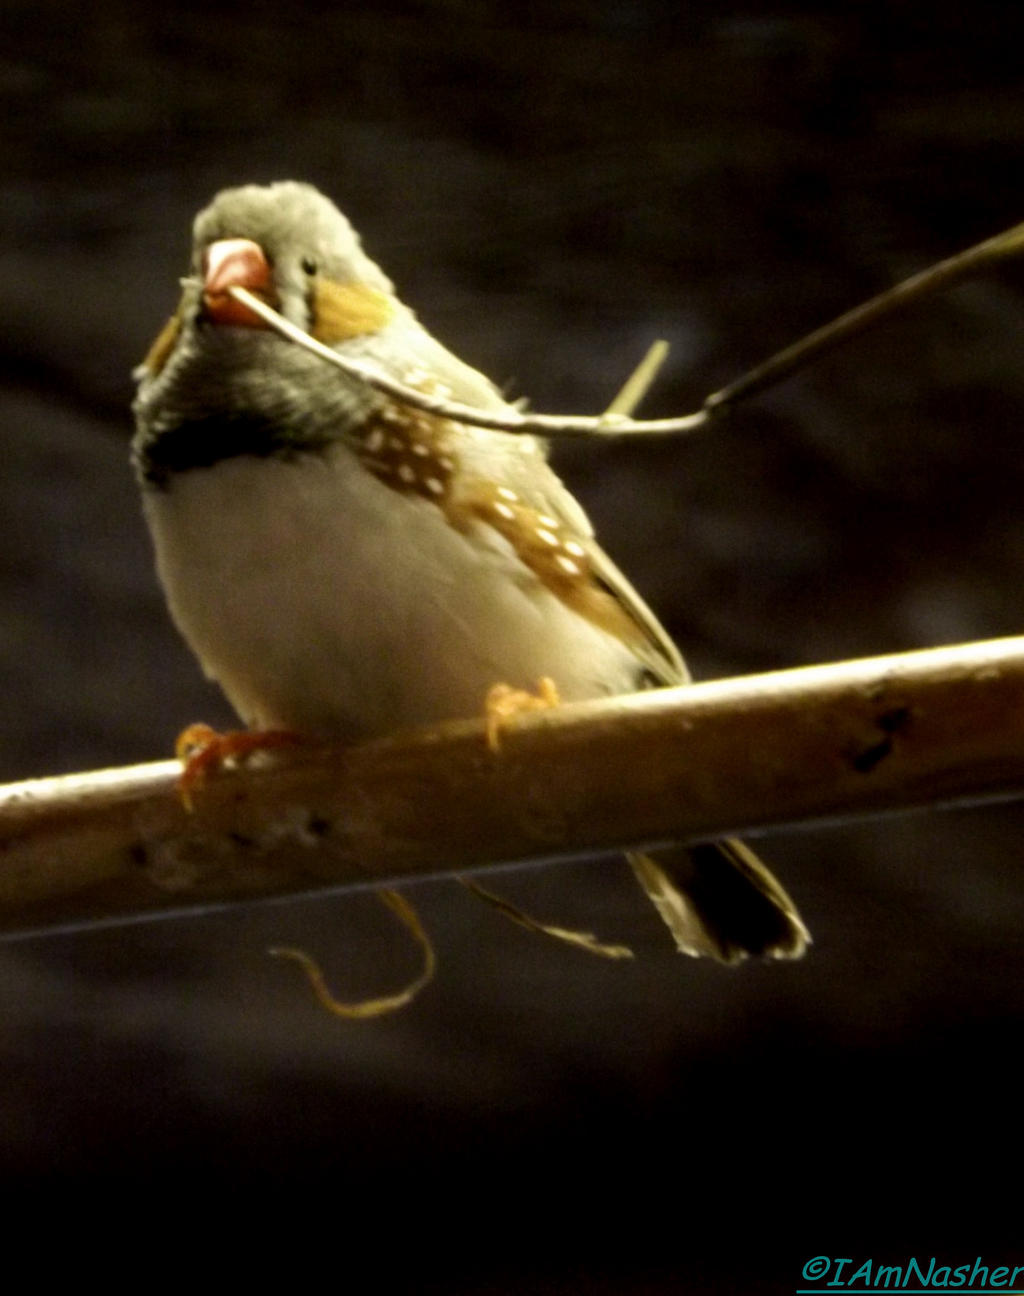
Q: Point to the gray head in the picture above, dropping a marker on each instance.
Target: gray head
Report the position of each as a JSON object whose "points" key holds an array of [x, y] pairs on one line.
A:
{"points": [[205, 389], [299, 231]]}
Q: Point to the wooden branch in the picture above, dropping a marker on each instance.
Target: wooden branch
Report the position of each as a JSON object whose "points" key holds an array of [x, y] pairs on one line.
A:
{"points": [[825, 742]]}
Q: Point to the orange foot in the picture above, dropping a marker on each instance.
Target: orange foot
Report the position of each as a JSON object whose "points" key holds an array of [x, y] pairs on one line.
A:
{"points": [[503, 702], [202, 749]]}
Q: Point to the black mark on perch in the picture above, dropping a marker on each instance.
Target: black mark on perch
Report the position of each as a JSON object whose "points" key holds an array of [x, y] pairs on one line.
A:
{"points": [[891, 722]]}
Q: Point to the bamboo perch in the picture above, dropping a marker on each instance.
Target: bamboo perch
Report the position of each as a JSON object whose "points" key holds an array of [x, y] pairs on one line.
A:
{"points": [[697, 762]]}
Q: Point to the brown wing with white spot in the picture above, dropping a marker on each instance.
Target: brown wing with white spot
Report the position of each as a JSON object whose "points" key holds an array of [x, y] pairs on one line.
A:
{"points": [[505, 482], [598, 589]]}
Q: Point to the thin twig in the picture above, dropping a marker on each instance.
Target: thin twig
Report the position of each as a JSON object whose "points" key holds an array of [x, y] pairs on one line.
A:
{"points": [[684, 764], [640, 381], [935, 279], [508, 420], [614, 421]]}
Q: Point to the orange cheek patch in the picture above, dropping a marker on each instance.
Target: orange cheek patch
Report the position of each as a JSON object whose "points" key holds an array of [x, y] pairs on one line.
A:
{"points": [[342, 311]]}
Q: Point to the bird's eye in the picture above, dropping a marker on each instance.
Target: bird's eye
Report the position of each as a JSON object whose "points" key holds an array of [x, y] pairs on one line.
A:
{"points": [[309, 265]]}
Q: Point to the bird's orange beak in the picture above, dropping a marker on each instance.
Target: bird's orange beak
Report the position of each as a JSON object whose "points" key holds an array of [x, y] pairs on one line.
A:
{"points": [[231, 263]]}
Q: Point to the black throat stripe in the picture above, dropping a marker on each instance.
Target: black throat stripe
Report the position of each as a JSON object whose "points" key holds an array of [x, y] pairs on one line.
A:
{"points": [[202, 443]]}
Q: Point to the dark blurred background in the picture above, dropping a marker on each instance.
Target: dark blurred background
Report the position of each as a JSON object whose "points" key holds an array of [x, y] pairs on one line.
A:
{"points": [[551, 187]]}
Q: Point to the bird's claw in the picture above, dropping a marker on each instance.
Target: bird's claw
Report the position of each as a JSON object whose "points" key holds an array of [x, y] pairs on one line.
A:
{"points": [[503, 702], [202, 749]]}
